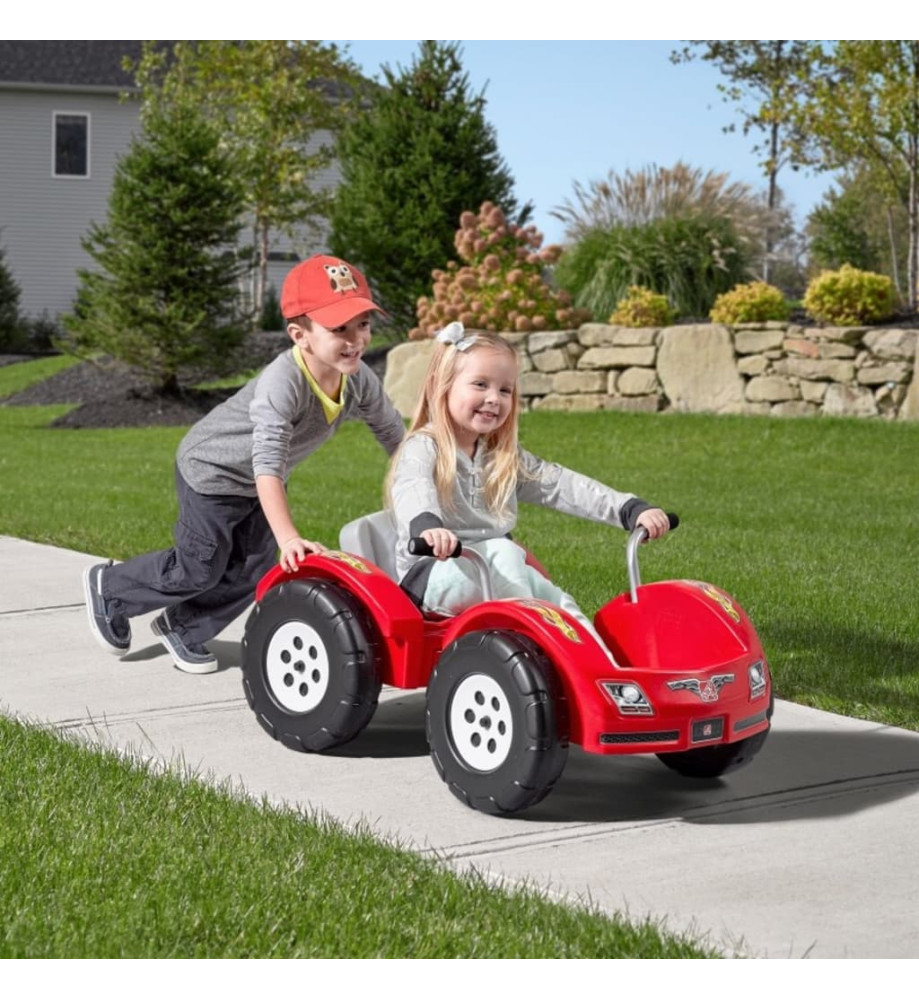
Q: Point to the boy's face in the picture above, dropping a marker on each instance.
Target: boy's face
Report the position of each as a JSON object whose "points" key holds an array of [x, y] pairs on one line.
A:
{"points": [[327, 352]]}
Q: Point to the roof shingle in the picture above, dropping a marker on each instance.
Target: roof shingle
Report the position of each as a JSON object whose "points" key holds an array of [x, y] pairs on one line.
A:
{"points": [[67, 64]]}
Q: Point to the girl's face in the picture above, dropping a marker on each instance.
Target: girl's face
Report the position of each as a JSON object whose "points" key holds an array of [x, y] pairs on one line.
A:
{"points": [[481, 397]]}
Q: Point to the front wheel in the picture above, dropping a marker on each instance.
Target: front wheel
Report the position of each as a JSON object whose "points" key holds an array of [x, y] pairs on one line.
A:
{"points": [[713, 762], [496, 721], [310, 669]]}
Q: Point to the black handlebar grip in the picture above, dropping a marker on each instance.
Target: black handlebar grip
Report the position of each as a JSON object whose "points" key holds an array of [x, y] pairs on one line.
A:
{"points": [[419, 547], [674, 520]]}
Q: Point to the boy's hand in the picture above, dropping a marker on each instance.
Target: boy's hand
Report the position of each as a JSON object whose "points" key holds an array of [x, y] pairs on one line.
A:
{"points": [[295, 550], [443, 542], [654, 521]]}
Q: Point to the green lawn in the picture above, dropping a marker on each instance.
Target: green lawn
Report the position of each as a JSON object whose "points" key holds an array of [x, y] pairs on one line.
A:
{"points": [[102, 859], [810, 524], [15, 378]]}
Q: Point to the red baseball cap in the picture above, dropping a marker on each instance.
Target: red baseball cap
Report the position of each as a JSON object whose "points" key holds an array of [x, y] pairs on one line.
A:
{"points": [[327, 289]]}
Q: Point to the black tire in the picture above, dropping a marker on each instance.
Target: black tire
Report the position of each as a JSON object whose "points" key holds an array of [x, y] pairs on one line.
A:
{"points": [[496, 721], [310, 665], [713, 762]]}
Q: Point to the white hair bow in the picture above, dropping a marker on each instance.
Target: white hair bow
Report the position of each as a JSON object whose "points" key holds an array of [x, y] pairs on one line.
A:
{"points": [[455, 334]]}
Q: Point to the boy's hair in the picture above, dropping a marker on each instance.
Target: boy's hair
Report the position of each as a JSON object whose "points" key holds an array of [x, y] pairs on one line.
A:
{"points": [[302, 320], [501, 445]]}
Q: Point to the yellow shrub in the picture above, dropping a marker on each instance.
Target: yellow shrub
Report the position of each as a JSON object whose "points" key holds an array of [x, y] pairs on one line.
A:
{"points": [[642, 307], [849, 297], [754, 302]]}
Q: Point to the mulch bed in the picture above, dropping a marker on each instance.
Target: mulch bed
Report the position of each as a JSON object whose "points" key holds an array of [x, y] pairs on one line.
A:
{"points": [[114, 396]]}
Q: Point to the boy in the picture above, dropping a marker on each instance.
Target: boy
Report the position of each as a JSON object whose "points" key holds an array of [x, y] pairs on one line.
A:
{"points": [[232, 467]]}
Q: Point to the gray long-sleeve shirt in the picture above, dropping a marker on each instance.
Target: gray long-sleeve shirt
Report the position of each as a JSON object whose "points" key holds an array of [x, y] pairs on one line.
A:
{"points": [[273, 423], [417, 507]]}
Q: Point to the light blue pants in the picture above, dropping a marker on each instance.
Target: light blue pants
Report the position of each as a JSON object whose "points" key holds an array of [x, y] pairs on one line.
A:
{"points": [[454, 584]]}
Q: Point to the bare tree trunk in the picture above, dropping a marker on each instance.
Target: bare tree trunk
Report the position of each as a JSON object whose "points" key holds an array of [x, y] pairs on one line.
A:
{"points": [[262, 282], [894, 262], [912, 263], [773, 186], [913, 166], [777, 46]]}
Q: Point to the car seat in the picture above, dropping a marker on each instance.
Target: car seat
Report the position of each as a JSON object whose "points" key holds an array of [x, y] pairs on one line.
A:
{"points": [[372, 537]]}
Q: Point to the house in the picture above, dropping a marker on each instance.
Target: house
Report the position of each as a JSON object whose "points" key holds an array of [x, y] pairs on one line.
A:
{"points": [[63, 127]]}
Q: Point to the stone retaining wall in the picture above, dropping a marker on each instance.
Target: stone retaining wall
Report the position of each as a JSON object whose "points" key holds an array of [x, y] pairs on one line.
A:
{"points": [[777, 369]]}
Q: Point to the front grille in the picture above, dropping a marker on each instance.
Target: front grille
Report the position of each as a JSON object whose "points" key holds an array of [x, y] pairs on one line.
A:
{"points": [[667, 736], [752, 720]]}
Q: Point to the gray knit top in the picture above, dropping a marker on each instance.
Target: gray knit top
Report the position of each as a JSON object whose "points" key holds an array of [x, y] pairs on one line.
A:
{"points": [[416, 506], [273, 423]]}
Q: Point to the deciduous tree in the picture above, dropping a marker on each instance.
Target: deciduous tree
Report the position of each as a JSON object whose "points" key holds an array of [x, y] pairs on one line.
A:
{"points": [[864, 109], [861, 222], [766, 80], [278, 105]]}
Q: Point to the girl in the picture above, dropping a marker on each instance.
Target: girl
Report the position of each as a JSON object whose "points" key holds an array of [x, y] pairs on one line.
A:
{"points": [[460, 472]]}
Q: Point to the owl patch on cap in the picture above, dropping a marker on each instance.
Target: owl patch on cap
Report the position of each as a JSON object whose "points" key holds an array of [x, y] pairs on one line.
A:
{"points": [[340, 277]]}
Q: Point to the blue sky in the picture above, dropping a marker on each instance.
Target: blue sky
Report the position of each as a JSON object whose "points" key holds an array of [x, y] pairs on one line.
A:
{"points": [[568, 111]]}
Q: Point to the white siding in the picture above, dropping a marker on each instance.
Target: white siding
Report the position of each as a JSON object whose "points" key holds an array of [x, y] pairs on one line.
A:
{"points": [[43, 218], [306, 240]]}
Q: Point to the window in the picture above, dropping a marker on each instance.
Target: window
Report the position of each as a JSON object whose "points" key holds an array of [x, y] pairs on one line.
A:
{"points": [[71, 144]]}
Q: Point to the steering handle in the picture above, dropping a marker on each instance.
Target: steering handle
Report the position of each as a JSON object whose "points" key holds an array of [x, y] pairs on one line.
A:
{"points": [[639, 535], [419, 547]]}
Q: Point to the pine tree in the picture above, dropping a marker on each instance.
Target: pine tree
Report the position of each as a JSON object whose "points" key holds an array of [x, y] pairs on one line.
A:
{"points": [[411, 164], [10, 320], [166, 299]]}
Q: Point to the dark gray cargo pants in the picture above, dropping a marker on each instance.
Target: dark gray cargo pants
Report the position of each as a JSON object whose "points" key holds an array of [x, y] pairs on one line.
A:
{"points": [[223, 546]]}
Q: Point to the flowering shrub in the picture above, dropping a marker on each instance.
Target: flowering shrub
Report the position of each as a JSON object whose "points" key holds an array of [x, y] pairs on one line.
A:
{"points": [[849, 297], [501, 286], [642, 307], [754, 302]]}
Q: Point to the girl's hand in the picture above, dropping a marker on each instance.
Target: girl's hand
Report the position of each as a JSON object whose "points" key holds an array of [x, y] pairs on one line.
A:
{"points": [[443, 542], [295, 550], [654, 521]]}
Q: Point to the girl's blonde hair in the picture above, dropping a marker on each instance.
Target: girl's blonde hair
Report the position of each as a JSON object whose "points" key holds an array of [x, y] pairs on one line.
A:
{"points": [[432, 417]]}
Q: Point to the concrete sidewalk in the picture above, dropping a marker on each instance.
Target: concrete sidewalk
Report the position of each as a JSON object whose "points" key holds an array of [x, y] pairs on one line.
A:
{"points": [[809, 852]]}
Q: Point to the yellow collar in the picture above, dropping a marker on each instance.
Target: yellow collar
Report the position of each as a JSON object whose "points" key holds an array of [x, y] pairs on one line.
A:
{"points": [[330, 407]]}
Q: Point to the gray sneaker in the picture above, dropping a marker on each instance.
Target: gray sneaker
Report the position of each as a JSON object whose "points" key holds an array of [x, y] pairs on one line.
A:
{"points": [[112, 632], [192, 657]]}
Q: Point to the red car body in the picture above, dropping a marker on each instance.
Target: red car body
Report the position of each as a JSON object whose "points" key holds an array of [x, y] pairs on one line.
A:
{"points": [[689, 669]]}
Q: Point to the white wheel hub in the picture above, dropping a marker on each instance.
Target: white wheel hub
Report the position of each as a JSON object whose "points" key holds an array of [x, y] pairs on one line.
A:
{"points": [[297, 667], [480, 722]]}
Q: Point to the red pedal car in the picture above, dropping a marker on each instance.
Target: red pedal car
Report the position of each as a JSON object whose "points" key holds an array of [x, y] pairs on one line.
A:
{"points": [[510, 683]]}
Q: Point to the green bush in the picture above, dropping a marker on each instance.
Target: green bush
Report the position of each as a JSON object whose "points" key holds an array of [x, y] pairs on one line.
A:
{"points": [[502, 285], [689, 260], [754, 302], [849, 297], [642, 307]]}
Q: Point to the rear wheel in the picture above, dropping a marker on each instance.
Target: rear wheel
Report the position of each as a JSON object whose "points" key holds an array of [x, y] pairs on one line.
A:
{"points": [[310, 669], [496, 721]]}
